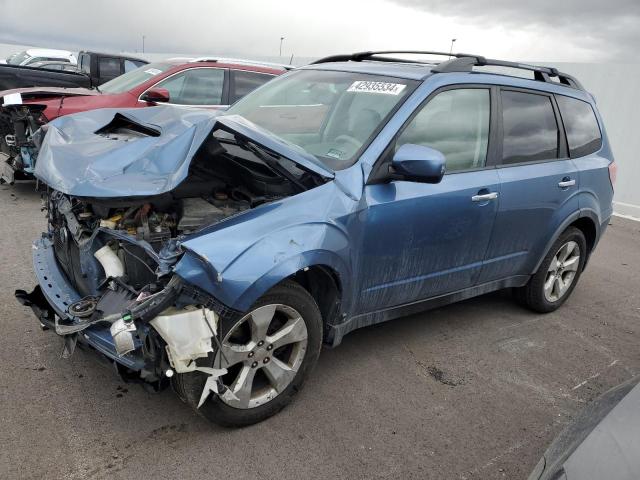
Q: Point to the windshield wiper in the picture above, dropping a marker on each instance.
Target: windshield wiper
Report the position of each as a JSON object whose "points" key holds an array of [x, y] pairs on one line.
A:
{"points": [[267, 158]]}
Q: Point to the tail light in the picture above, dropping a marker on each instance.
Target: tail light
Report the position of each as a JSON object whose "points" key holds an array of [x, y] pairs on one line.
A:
{"points": [[613, 173]]}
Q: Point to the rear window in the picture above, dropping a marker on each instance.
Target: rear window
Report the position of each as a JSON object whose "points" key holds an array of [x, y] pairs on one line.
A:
{"points": [[530, 128], [580, 125], [245, 82], [109, 66]]}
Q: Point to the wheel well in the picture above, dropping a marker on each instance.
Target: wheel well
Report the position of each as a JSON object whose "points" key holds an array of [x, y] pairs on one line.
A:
{"points": [[588, 228], [323, 283]]}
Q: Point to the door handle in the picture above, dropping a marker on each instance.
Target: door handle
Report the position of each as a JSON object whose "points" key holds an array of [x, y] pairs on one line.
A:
{"points": [[484, 197], [566, 183]]}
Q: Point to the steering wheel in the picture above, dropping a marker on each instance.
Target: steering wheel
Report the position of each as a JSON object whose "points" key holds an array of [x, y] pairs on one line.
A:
{"points": [[348, 139]]}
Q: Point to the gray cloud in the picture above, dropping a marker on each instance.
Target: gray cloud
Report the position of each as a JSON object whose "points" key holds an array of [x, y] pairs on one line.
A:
{"points": [[558, 30], [611, 29]]}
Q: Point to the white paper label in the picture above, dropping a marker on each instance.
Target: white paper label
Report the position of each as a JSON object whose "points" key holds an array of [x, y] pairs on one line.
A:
{"points": [[152, 71], [12, 99], [365, 86]]}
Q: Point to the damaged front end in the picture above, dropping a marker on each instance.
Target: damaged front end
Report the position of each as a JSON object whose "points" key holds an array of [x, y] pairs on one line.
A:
{"points": [[106, 264], [108, 284]]}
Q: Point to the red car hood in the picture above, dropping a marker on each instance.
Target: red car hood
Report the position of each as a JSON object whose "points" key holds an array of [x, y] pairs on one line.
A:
{"points": [[64, 101], [48, 92]]}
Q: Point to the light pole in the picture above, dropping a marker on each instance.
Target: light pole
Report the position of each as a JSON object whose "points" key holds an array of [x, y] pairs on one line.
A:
{"points": [[281, 39], [451, 48], [142, 43]]}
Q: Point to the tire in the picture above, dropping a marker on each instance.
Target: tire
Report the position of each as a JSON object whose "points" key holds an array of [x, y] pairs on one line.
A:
{"points": [[533, 294], [290, 299]]}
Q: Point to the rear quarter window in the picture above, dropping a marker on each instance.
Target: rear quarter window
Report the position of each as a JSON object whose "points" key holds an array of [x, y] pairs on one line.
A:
{"points": [[580, 125], [245, 82]]}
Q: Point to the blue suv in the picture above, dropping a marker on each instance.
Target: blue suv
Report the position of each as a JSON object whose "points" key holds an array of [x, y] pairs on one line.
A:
{"points": [[217, 253]]}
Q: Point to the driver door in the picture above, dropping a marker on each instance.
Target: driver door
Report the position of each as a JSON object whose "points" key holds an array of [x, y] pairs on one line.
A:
{"points": [[422, 240]]}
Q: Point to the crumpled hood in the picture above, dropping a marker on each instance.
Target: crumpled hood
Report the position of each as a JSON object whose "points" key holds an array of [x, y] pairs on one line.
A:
{"points": [[76, 160]]}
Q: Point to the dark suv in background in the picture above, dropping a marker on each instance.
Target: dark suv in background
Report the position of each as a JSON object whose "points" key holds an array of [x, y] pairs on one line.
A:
{"points": [[102, 67]]}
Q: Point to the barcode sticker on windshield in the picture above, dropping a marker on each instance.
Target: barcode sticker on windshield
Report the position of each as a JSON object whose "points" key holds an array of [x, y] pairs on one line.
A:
{"points": [[152, 71], [364, 86]]}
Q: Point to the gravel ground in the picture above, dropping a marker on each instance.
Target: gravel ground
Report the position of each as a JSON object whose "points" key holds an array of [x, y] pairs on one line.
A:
{"points": [[471, 391]]}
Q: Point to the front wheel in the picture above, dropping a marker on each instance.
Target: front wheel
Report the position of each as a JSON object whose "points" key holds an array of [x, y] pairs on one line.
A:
{"points": [[557, 275], [268, 353]]}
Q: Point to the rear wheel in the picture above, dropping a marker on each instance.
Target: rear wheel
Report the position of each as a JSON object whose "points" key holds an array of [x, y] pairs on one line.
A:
{"points": [[268, 353], [557, 275]]}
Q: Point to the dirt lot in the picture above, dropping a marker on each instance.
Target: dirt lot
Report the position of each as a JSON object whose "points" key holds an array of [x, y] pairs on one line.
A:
{"points": [[474, 390]]}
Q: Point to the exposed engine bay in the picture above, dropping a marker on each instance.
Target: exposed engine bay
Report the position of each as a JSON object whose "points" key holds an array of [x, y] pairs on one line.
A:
{"points": [[117, 256], [20, 139]]}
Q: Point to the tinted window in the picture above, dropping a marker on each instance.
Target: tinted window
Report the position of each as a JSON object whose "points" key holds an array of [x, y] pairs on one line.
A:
{"points": [[196, 86], [529, 126], [455, 122], [109, 67], [245, 82], [580, 125]]}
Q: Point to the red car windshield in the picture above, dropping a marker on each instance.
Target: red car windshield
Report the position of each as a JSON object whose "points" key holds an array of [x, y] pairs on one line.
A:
{"points": [[136, 77]]}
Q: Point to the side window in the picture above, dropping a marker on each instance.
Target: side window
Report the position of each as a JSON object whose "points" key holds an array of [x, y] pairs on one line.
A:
{"points": [[109, 66], [455, 122], [580, 125], [196, 86], [130, 65], [245, 82], [33, 60], [85, 63], [529, 127]]}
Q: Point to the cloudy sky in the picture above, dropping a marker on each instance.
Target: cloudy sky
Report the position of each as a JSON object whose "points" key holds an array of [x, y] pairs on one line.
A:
{"points": [[551, 30]]}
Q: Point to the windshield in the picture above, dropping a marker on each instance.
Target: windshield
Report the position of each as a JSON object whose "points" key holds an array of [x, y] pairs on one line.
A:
{"points": [[18, 58], [136, 77], [332, 115]]}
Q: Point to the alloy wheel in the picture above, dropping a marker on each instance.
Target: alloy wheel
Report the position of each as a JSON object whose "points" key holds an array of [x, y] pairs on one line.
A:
{"points": [[263, 353], [562, 271]]}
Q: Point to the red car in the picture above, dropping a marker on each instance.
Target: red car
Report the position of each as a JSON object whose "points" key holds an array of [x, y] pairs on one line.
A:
{"points": [[202, 82]]}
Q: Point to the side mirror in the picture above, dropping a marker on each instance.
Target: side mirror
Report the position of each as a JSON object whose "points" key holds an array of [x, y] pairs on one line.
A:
{"points": [[417, 163], [156, 95]]}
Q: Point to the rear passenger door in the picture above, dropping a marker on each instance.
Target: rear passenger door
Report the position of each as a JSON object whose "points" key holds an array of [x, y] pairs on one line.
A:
{"points": [[538, 183]]}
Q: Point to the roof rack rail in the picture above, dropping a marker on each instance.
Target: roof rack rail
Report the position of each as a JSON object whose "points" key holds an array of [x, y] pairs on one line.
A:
{"points": [[360, 56], [461, 62], [465, 63], [242, 61]]}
